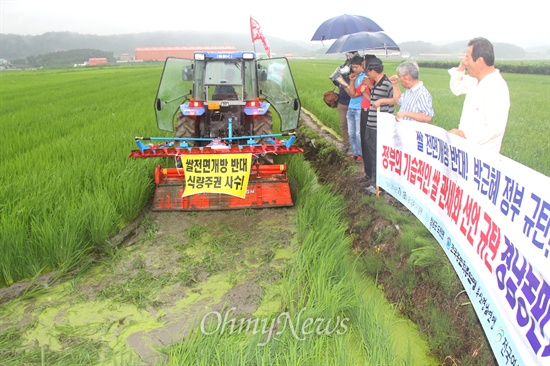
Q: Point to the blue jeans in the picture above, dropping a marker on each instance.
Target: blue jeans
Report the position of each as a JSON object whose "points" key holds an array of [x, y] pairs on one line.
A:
{"points": [[354, 130]]}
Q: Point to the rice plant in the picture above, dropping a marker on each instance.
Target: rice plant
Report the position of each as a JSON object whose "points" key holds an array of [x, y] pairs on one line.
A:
{"points": [[66, 182]]}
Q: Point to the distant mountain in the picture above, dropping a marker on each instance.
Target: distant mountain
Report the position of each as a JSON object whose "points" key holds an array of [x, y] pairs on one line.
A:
{"points": [[503, 51], [16, 47], [19, 47]]}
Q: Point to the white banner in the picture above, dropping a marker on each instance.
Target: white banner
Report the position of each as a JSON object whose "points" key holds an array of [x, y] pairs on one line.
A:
{"points": [[491, 215]]}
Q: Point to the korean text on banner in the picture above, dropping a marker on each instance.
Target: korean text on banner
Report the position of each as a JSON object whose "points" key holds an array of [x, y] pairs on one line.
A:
{"points": [[216, 173], [491, 216]]}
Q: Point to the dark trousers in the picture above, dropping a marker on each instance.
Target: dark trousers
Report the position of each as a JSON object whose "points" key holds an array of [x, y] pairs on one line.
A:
{"points": [[364, 153], [342, 114], [370, 141]]}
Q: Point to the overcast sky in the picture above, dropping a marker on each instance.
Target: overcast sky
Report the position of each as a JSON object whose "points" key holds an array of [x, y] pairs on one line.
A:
{"points": [[525, 23]]}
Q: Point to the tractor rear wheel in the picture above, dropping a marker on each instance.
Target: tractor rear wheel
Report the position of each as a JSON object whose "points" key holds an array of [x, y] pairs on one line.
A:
{"points": [[263, 125], [187, 127]]}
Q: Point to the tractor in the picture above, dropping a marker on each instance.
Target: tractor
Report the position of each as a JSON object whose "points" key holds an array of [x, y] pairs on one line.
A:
{"points": [[219, 106]]}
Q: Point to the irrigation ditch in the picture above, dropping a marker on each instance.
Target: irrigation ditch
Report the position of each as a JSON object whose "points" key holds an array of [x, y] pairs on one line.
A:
{"points": [[168, 272]]}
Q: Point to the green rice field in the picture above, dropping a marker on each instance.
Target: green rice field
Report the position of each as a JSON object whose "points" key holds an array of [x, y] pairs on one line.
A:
{"points": [[528, 120], [67, 184]]}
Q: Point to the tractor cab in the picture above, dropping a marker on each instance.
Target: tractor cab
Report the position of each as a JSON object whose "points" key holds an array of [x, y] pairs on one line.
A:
{"points": [[219, 85]]}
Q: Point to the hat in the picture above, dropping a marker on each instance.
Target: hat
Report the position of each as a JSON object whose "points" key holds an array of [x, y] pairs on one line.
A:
{"points": [[374, 63]]}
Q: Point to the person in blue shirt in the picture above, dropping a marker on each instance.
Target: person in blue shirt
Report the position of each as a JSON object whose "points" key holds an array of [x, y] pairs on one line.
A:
{"points": [[354, 108]]}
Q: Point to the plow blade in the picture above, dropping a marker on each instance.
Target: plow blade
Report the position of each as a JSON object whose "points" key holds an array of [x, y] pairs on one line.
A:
{"points": [[267, 187]]}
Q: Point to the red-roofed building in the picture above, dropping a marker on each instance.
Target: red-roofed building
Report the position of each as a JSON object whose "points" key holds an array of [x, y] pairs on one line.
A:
{"points": [[97, 61], [161, 53]]}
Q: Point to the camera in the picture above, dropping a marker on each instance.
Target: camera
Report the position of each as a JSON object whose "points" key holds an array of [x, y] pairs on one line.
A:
{"points": [[341, 74]]}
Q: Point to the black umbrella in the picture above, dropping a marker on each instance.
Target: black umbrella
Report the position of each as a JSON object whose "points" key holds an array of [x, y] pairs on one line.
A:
{"points": [[344, 24], [363, 41]]}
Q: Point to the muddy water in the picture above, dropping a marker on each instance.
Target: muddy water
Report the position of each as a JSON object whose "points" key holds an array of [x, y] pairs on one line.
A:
{"points": [[175, 271]]}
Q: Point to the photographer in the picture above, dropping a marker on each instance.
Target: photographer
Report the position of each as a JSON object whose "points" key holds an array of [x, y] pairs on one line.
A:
{"points": [[340, 78]]}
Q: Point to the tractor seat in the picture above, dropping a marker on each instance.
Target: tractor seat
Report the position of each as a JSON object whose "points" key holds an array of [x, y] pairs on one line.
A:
{"points": [[224, 96]]}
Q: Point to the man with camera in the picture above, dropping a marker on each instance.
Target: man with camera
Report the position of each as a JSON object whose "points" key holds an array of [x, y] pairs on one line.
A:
{"points": [[340, 78]]}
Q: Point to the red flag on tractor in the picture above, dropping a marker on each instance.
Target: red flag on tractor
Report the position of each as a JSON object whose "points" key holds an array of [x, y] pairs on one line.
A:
{"points": [[256, 33]]}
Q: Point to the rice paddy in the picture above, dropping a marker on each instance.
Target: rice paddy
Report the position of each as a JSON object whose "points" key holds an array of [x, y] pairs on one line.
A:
{"points": [[67, 186]]}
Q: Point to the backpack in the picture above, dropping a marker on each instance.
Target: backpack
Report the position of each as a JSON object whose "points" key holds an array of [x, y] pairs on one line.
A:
{"points": [[331, 98]]}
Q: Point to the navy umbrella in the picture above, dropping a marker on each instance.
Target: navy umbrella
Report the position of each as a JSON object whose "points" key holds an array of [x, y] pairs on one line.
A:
{"points": [[344, 24], [363, 41]]}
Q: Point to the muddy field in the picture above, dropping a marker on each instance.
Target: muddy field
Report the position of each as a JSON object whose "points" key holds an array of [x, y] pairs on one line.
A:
{"points": [[172, 270], [168, 271]]}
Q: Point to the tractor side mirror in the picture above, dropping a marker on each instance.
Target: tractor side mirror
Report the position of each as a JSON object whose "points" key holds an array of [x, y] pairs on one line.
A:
{"points": [[187, 73], [262, 73]]}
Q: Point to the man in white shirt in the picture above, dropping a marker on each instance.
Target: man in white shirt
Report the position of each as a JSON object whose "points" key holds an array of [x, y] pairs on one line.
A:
{"points": [[416, 102], [485, 110]]}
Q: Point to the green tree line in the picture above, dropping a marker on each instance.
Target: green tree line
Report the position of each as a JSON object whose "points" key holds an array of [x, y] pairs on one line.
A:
{"points": [[65, 58], [516, 67]]}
